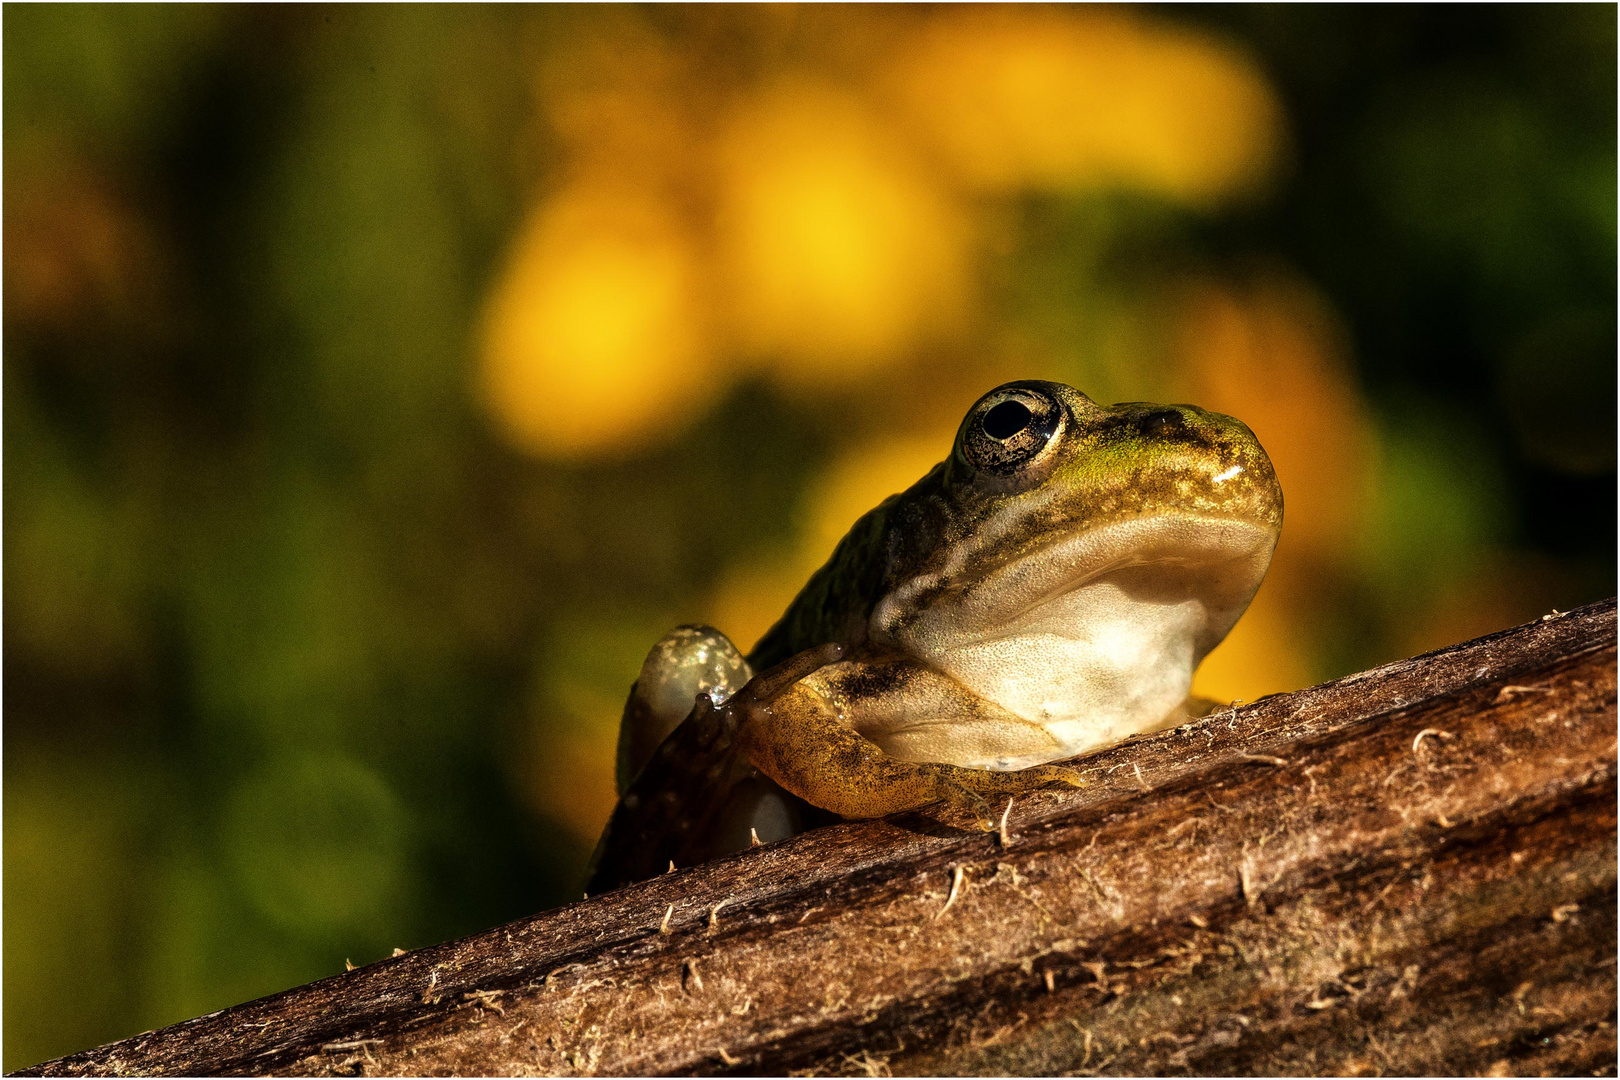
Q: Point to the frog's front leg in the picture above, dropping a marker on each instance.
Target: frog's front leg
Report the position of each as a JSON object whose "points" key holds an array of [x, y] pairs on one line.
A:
{"points": [[807, 735]]}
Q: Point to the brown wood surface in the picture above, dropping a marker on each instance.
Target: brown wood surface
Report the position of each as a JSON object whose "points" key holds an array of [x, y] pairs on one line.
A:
{"points": [[1407, 871]]}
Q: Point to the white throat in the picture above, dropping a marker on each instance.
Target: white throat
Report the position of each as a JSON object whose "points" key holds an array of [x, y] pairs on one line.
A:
{"points": [[1095, 637]]}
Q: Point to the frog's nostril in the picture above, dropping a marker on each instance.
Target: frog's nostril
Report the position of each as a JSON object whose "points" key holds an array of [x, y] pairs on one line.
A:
{"points": [[1006, 420], [1163, 422]]}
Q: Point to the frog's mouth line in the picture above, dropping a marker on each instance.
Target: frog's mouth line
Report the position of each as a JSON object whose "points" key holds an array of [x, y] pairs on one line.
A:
{"points": [[1157, 560]]}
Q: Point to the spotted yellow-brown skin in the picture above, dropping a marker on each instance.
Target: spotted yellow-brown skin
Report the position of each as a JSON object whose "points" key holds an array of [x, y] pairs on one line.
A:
{"points": [[1045, 590]]}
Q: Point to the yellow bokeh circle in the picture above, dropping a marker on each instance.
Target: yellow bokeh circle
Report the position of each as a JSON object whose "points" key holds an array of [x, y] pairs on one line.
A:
{"points": [[595, 338]]}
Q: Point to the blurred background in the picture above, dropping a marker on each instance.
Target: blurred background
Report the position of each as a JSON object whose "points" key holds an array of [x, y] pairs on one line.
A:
{"points": [[380, 382]]}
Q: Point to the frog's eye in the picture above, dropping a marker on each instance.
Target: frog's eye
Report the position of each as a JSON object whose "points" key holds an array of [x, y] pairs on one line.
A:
{"points": [[1010, 429]]}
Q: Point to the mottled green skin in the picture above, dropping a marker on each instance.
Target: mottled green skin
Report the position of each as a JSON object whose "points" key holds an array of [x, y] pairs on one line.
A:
{"points": [[1111, 465]]}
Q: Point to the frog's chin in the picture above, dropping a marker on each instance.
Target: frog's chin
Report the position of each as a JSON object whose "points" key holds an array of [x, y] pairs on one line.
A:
{"points": [[1094, 636]]}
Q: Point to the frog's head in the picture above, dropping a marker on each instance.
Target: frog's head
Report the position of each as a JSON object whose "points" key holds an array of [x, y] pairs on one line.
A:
{"points": [[1075, 562]]}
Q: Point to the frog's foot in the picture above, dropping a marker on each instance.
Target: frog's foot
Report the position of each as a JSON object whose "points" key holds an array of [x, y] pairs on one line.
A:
{"points": [[966, 788], [968, 801]]}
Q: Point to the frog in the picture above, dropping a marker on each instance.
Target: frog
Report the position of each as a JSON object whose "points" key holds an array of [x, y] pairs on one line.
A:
{"points": [[1043, 593]]}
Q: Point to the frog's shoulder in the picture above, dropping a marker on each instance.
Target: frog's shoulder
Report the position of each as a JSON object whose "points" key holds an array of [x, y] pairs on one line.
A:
{"points": [[837, 600]]}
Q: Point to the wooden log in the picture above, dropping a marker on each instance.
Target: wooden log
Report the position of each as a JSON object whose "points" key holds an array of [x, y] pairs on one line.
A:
{"points": [[1410, 870]]}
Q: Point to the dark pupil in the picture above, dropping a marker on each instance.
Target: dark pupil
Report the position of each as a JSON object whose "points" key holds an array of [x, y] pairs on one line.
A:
{"points": [[1006, 420]]}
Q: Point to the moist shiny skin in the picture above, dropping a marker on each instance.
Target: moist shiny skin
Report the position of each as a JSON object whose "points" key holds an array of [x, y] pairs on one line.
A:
{"points": [[1046, 590]]}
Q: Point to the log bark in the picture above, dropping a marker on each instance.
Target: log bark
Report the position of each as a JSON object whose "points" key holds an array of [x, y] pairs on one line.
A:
{"points": [[1410, 870]]}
